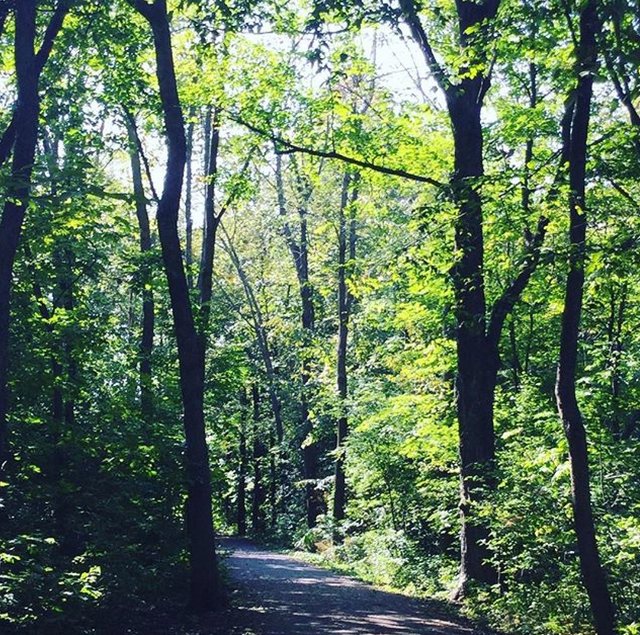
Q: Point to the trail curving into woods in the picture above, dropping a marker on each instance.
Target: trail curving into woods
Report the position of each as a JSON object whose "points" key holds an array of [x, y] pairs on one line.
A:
{"points": [[278, 595]]}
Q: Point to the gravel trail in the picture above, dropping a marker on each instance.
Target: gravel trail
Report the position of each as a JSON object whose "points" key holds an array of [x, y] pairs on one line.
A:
{"points": [[278, 595]]}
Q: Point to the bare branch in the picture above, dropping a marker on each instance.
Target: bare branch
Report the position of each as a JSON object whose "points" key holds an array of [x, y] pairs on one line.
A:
{"points": [[291, 148]]}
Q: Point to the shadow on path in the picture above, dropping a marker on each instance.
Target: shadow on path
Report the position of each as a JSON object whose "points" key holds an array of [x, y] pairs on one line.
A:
{"points": [[281, 596]]}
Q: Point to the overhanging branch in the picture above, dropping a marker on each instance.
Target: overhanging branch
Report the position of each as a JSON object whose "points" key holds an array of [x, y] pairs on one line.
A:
{"points": [[288, 147]]}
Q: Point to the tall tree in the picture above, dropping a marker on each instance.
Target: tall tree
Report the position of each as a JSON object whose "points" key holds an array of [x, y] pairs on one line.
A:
{"points": [[299, 249], [478, 327], [22, 135], [347, 238], [568, 408], [146, 275], [205, 591]]}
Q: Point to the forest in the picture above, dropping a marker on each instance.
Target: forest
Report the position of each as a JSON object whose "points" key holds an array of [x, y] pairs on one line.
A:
{"points": [[354, 278]]}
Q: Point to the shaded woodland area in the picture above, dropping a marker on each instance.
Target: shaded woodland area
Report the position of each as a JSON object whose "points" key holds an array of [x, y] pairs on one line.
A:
{"points": [[355, 277]]}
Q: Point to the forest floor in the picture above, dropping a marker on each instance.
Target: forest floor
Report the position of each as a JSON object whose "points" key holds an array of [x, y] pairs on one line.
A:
{"points": [[280, 595]]}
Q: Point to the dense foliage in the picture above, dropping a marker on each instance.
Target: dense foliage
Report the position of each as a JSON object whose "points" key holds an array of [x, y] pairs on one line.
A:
{"points": [[359, 291]]}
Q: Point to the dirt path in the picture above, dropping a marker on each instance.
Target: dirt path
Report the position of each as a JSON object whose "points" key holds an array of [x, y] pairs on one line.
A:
{"points": [[278, 595]]}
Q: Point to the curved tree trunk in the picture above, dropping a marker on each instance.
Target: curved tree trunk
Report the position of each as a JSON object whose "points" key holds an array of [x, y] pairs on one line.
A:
{"points": [[593, 574], [205, 590]]}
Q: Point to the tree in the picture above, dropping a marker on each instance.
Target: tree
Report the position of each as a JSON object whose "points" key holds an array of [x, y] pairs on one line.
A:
{"points": [[568, 408], [347, 239], [21, 134], [298, 248], [478, 334], [205, 582], [146, 278]]}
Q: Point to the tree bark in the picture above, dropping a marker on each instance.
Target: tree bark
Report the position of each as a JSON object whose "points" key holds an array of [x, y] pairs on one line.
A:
{"points": [[593, 574], [314, 502], [346, 255], [205, 591], [23, 137], [146, 281], [259, 495], [241, 521]]}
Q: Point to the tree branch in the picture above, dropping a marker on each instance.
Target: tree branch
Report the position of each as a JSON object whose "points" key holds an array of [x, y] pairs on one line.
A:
{"points": [[50, 34], [294, 248], [505, 303], [143, 8], [134, 129], [293, 148], [8, 137], [418, 33]]}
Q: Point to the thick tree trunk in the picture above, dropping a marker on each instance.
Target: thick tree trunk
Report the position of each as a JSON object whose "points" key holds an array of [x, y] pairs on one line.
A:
{"points": [[148, 309], [346, 256], [477, 341], [477, 358], [593, 574], [205, 590]]}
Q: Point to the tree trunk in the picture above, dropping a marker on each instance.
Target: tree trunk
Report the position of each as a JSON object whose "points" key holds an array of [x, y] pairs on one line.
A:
{"points": [[346, 240], [616, 347], [259, 496], [593, 574], [314, 502], [188, 256], [211, 222], [261, 336], [22, 135], [477, 342], [17, 198], [146, 281], [205, 592], [55, 466], [241, 521], [477, 359]]}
